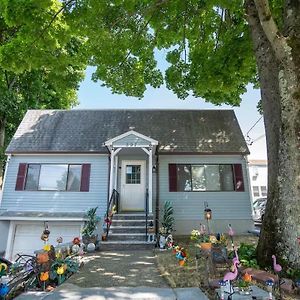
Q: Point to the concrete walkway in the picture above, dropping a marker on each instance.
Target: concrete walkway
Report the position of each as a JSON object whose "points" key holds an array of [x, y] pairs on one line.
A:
{"points": [[72, 292], [122, 275], [119, 268]]}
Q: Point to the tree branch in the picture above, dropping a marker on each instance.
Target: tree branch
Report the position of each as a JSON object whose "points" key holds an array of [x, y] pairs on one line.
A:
{"points": [[276, 39]]}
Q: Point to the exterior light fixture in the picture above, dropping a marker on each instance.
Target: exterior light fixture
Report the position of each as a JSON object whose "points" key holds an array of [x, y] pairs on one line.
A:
{"points": [[207, 215]]}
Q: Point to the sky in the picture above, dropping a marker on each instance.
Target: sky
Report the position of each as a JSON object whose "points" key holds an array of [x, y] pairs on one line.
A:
{"points": [[94, 96]]}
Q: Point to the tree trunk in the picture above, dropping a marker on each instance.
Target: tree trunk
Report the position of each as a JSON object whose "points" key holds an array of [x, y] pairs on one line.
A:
{"points": [[280, 99]]}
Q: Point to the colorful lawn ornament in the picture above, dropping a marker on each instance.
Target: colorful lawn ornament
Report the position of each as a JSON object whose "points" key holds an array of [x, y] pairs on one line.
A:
{"points": [[4, 289], [42, 257], [47, 247], [277, 269], [230, 276], [76, 241], [222, 285], [270, 284], [247, 277], [44, 276]]}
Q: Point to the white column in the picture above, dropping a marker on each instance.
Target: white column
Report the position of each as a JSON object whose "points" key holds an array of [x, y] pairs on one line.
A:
{"points": [[111, 173], [113, 170], [150, 181], [116, 171]]}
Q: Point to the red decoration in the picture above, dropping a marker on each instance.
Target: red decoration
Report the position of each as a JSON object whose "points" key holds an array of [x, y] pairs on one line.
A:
{"points": [[76, 241]]}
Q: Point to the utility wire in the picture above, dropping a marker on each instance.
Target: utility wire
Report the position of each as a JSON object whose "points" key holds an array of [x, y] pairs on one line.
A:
{"points": [[249, 140]]}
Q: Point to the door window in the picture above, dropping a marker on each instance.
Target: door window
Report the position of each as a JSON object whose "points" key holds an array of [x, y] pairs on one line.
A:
{"points": [[133, 174]]}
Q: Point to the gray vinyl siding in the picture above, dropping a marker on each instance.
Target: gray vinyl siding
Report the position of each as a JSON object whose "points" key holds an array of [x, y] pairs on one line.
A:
{"points": [[190, 205], [55, 201]]}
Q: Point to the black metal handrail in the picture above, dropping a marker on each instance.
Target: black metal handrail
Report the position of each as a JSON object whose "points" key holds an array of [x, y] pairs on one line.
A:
{"points": [[113, 201], [146, 211]]}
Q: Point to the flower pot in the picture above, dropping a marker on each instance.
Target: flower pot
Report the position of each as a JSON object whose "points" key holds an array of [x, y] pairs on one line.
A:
{"points": [[205, 246]]}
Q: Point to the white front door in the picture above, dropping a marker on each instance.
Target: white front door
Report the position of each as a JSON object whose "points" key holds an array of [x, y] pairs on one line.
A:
{"points": [[133, 185]]}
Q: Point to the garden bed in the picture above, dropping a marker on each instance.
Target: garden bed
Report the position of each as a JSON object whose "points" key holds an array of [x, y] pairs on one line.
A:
{"points": [[200, 272]]}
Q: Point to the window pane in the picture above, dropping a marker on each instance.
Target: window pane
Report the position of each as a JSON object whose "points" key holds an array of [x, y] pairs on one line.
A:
{"points": [[226, 178], [198, 176], [264, 191], [212, 176], [255, 191], [32, 178], [53, 177], [184, 178], [74, 178], [133, 174]]}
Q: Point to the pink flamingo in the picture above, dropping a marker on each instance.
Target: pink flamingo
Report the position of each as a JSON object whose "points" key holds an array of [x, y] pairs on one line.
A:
{"points": [[232, 275], [236, 258], [277, 268]]}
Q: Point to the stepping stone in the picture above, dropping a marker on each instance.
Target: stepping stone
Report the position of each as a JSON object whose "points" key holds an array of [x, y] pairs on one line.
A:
{"points": [[189, 293]]}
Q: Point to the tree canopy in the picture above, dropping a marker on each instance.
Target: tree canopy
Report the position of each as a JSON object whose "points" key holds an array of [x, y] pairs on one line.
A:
{"points": [[214, 48]]}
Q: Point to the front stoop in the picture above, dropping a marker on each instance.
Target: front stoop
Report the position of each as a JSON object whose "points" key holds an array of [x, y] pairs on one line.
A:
{"points": [[128, 232]]}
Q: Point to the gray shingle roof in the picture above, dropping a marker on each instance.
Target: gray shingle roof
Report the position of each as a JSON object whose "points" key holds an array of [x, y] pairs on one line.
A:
{"points": [[200, 131]]}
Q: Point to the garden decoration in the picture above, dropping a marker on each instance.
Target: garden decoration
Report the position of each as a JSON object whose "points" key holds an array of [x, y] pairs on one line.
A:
{"points": [[270, 284], [277, 269], [228, 277], [75, 248], [231, 234], [44, 276], [244, 284], [151, 232], [202, 239], [181, 256], [207, 215], [4, 289], [222, 285], [219, 248], [169, 241], [89, 230], [76, 241]]}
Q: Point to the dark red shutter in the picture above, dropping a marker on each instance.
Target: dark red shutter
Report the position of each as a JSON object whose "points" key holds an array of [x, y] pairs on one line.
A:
{"points": [[85, 177], [20, 183], [172, 178], [238, 178]]}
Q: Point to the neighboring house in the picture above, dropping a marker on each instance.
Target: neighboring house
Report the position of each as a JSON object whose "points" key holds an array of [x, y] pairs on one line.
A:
{"points": [[258, 173], [61, 163]]}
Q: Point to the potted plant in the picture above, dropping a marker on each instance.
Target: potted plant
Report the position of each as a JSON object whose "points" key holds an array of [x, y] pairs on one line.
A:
{"points": [[167, 224], [202, 238], [89, 235]]}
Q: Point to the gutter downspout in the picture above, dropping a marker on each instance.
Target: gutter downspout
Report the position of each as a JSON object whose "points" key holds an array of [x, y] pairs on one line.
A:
{"points": [[4, 177]]}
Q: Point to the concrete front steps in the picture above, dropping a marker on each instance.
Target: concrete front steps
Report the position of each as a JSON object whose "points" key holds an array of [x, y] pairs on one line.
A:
{"points": [[128, 232]]}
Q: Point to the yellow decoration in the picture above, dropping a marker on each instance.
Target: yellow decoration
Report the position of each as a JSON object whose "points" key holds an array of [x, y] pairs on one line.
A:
{"points": [[3, 266], [213, 239], [47, 247], [60, 270], [44, 276]]}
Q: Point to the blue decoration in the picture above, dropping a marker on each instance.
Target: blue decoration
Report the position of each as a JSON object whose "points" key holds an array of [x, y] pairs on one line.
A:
{"points": [[4, 289], [297, 283], [222, 283], [179, 255], [269, 282]]}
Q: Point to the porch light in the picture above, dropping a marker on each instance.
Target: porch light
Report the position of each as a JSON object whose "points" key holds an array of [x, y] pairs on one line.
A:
{"points": [[207, 214]]}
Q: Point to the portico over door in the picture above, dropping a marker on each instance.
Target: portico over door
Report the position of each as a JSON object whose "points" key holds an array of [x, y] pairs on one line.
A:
{"points": [[133, 173], [133, 185]]}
